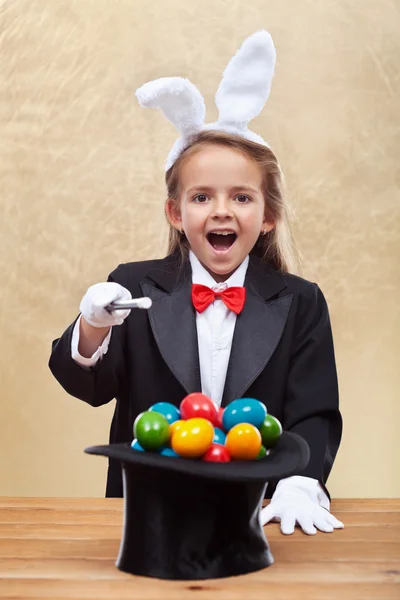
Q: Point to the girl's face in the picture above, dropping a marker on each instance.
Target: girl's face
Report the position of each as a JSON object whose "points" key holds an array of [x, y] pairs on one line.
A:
{"points": [[221, 208]]}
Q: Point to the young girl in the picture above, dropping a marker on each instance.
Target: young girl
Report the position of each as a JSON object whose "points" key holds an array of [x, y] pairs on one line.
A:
{"points": [[271, 340]]}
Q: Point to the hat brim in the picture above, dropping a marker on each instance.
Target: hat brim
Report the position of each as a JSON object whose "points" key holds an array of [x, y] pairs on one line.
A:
{"points": [[290, 455]]}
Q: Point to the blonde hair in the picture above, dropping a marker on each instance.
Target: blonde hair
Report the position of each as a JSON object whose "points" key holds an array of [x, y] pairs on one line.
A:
{"points": [[277, 247]]}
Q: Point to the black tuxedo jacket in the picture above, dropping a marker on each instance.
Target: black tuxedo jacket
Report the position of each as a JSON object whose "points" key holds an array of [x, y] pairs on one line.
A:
{"points": [[282, 354]]}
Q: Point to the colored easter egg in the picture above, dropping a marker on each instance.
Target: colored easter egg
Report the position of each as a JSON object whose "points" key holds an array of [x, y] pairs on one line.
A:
{"points": [[193, 438], [170, 412], [218, 422], [271, 431], [175, 426], [262, 453], [219, 436], [198, 405], [151, 429], [136, 446], [244, 410], [217, 453], [243, 442], [168, 452]]}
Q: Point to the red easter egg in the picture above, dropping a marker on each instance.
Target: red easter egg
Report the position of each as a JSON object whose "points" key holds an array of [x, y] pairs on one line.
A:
{"points": [[218, 422], [217, 453], [198, 406]]}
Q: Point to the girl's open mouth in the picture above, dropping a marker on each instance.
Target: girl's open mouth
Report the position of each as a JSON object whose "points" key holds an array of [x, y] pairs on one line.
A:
{"points": [[221, 241]]}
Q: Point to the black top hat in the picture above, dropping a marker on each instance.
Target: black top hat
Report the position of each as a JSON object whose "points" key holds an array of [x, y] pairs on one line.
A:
{"points": [[188, 519]]}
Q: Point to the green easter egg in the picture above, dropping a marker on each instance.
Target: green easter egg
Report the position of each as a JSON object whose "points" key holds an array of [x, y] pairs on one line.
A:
{"points": [[262, 453], [271, 431], [151, 429]]}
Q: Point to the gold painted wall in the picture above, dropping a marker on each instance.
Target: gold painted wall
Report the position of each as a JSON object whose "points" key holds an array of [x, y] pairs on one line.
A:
{"points": [[81, 185]]}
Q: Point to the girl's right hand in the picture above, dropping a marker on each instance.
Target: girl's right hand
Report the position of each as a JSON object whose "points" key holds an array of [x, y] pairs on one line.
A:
{"points": [[97, 298]]}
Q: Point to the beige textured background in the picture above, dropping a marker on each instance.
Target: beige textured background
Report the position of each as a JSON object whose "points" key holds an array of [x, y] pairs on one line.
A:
{"points": [[81, 185]]}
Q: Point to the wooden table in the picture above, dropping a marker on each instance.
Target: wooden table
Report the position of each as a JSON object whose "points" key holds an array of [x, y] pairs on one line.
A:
{"points": [[61, 548]]}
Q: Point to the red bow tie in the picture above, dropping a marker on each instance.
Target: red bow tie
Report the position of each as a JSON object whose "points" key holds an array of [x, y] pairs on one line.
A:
{"points": [[232, 297]]}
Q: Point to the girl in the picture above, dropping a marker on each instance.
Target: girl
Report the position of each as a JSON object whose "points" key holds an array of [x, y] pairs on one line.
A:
{"points": [[227, 317]]}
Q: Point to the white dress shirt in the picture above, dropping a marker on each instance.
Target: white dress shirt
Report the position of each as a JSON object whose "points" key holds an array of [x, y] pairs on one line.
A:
{"points": [[81, 360], [215, 328]]}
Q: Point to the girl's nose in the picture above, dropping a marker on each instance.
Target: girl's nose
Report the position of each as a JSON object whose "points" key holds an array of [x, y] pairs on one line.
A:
{"points": [[222, 208]]}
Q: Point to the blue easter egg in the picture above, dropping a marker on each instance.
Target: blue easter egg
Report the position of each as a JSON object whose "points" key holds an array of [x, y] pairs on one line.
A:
{"points": [[168, 452], [170, 412], [136, 446], [219, 436], [244, 410]]}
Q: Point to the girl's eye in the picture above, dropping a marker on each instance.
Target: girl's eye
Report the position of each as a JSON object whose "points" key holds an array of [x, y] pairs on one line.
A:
{"points": [[200, 198], [242, 199]]}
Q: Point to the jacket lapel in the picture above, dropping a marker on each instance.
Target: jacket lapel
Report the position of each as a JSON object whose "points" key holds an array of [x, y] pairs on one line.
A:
{"points": [[173, 320], [258, 328]]}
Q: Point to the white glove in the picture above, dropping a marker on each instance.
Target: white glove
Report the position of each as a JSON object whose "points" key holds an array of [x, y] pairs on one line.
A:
{"points": [[297, 501], [97, 298]]}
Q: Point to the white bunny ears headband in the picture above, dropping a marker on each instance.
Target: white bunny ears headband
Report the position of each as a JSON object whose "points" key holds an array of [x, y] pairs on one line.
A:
{"points": [[242, 93]]}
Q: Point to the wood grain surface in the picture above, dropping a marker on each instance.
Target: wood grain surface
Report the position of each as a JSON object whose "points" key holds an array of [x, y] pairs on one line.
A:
{"points": [[61, 548]]}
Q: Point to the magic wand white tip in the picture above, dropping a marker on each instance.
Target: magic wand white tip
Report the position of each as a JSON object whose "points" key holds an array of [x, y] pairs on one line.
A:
{"points": [[144, 302]]}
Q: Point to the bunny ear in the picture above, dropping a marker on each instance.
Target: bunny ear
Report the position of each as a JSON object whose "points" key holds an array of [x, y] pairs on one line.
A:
{"points": [[179, 100], [246, 82]]}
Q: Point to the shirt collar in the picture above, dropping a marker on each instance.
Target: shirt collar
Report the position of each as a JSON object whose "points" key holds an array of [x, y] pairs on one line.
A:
{"points": [[202, 276]]}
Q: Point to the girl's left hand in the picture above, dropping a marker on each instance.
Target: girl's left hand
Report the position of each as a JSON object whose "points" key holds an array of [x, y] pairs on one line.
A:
{"points": [[292, 505]]}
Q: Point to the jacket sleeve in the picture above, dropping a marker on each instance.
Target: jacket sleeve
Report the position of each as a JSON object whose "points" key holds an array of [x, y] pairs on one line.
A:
{"points": [[95, 385], [312, 402]]}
